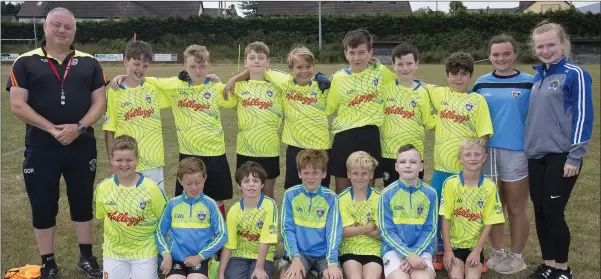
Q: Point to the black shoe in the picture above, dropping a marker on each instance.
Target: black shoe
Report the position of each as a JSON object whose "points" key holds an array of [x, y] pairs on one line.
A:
{"points": [[562, 274], [542, 271], [90, 267], [49, 272]]}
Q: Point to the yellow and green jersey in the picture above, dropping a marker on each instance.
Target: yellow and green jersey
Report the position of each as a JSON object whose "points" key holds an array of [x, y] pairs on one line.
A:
{"points": [[356, 97], [460, 116], [247, 229], [197, 116], [469, 209], [131, 216], [355, 213], [137, 112], [260, 112], [305, 120], [407, 112]]}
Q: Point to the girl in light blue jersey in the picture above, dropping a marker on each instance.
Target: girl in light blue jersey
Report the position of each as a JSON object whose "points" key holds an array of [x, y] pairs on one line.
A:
{"points": [[507, 93]]}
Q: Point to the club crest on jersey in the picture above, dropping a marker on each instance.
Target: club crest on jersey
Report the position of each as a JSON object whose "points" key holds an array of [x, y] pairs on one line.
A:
{"points": [[148, 100], [74, 61], [420, 209], [516, 93], [554, 85], [260, 224], [105, 119], [201, 215], [376, 81], [269, 93], [413, 103], [320, 211], [142, 204], [480, 203], [469, 106], [207, 95], [313, 94], [92, 164]]}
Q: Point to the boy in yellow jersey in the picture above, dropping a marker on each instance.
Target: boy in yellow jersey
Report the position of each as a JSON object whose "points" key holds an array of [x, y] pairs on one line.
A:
{"points": [[355, 97], [407, 111], [131, 206], [310, 224], [252, 229], [260, 113], [461, 115], [135, 109], [305, 121], [408, 214], [195, 226], [361, 248], [469, 206]]}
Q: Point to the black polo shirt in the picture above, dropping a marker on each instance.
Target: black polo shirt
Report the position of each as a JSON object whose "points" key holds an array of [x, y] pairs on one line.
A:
{"points": [[31, 71]]}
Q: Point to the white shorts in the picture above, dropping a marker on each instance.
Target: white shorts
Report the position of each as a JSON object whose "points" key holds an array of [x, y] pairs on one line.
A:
{"points": [[156, 174], [392, 262], [507, 165], [126, 269]]}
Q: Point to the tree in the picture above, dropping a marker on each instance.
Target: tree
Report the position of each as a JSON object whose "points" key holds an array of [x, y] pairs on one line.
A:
{"points": [[249, 8], [10, 8], [456, 6]]}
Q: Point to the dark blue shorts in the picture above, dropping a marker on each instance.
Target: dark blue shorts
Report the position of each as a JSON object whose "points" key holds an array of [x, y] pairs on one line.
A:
{"points": [[42, 170]]}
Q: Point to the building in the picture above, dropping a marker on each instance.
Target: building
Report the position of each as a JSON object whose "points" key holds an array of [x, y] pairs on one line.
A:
{"points": [[102, 10], [286, 8], [542, 6]]}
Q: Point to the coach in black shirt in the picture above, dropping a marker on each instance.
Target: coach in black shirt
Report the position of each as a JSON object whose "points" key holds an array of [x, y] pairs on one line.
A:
{"points": [[59, 93]]}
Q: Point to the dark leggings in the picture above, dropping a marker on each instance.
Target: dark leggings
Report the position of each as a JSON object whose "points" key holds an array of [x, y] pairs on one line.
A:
{"points": [[550, 192]]}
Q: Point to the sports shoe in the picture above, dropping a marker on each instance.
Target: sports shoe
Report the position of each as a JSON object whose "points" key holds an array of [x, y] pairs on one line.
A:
{"points": [[542, 271], [510, 265], [90, 267], [49, 273], [561, 274], [438, 264], [496, 258]]}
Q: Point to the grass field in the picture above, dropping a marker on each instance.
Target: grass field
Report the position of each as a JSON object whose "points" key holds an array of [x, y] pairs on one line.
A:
{"points": [[19, 246]]}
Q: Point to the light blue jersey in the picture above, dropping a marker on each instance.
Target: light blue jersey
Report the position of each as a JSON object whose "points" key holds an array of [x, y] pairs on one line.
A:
{"points": [[508, 98]]}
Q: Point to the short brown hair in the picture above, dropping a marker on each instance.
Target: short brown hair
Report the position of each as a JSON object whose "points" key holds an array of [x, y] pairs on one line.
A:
{"points": [[190, 165], [408, 147], [402, 50], [200, 53], [312, 157], [248, 168], [503, 38], [355, 38], [258, 47], [460, 61], [138, 50], [125, 142], [298, 54], [361, 159]]}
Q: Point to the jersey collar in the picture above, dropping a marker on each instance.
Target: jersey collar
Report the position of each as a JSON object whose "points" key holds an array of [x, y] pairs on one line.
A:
{"points": [[307, 191], [517, 73], [294, 80], [186, 198], [409, 188], [258, 204], [137, 182], [541, 68], [207, 80], [419, 83], [347, 70], [123, 86], [369, 190], [479, 181]]}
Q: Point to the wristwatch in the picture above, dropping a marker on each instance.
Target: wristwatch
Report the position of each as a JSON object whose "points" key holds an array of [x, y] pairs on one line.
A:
{"points": [[82, 128]]}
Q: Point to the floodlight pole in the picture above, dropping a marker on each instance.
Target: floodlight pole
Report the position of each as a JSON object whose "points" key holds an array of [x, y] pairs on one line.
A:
{"points": [[319, 15]]}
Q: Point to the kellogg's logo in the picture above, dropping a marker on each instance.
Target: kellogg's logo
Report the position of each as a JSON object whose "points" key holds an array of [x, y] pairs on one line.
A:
{"points": [[302, 99], [467, 213], [187, 103], [256, 102], [400, 111], [451, 114], [362, 99], [144, 113], [125, 218]]}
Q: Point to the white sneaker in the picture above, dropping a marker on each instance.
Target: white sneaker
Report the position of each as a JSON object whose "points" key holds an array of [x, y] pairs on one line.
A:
{"points": [[510, 265], [495, 259]]}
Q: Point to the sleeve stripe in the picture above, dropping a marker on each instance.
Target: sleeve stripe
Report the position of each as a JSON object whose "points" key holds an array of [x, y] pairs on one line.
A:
{"points": [[333, 228], [422, 247], [222, 229], [581, 99], [13, 79], [106, 80], [282, 227]]}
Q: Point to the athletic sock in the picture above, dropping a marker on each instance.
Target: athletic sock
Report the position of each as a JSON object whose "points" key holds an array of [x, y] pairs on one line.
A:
{"points": [[85, 250], [499, 251], [48, 261], [517, 256]]}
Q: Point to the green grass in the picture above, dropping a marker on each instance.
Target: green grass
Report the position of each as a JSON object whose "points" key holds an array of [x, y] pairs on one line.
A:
{"points": [[18, 242]]}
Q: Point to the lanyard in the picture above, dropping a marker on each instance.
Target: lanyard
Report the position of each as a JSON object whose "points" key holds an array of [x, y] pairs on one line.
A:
{"points": [[62, 81]]}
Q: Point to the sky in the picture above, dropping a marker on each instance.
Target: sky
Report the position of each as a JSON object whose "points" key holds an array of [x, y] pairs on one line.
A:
{"points": [[442, 5]]}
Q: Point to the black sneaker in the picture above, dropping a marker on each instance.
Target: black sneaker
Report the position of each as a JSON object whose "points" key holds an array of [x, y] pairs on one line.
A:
{"points": [[542, 271], [90, 267], [49, 273], [562, 274]]}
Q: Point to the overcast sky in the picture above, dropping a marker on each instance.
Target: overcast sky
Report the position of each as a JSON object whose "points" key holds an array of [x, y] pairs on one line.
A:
{"points": [[442, 5]]}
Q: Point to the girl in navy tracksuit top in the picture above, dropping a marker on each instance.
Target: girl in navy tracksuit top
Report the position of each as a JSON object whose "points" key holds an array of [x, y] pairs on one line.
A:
{"points": [[558, 129]]}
